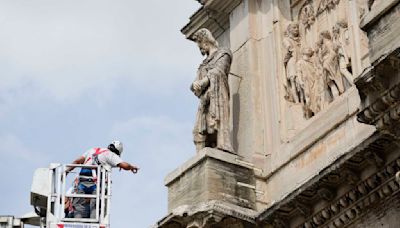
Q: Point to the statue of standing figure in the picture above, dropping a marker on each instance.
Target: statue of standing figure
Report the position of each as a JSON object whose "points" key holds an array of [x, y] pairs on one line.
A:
{"points": [[328, 55], [291, 43], [312, 83], [212, 127], [341, 39]]}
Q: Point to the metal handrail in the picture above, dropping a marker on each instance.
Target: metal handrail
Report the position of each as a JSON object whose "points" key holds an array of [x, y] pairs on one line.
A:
{"points": [[74, 195], [79, 219], [103, 193], [81, 165]]}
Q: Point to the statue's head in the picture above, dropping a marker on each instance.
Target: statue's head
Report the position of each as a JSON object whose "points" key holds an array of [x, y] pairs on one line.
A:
{"points": [[339, 25], [307, 52], [293, 30], [325, 35], [204, 40]]}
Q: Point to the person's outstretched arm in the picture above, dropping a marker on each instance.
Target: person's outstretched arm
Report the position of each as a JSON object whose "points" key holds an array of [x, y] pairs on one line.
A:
{"points": [[127, 166]]}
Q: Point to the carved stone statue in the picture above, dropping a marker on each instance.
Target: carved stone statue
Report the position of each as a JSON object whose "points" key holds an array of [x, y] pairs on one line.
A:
{"points": [[291, 43], [307, 15], [212, 128], [311, 83], [328, 55], [327, 5], [341, 39]]}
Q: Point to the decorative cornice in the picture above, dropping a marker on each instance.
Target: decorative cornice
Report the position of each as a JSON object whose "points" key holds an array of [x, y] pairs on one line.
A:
{"points": [[376, 13], [368, 82], [353, 204], [379, 88], [382, 109], [213, 15], [212, 211], [206, 18], [344, 173]]}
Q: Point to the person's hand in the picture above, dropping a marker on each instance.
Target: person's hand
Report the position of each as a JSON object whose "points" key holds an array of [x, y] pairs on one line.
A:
{"points": [[134, 169], [196, 86]]}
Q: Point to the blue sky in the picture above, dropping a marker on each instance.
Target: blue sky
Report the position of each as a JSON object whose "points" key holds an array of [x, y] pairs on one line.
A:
{"points": [[80, 73]]}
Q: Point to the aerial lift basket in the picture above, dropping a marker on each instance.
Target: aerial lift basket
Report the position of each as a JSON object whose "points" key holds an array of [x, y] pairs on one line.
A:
{"points": [[49, 194]]}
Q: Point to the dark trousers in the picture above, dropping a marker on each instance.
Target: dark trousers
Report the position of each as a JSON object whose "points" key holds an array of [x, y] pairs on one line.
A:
{"points": [[85, 207]]}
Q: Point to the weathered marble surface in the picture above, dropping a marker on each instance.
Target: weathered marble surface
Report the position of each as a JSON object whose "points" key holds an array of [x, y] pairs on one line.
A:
{"points": [[212, 127], [297, 100], [211, 175]]}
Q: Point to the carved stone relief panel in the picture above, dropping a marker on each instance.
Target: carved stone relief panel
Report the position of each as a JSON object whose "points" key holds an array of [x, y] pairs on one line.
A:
{"points": [[307, 15], [317, 55]]}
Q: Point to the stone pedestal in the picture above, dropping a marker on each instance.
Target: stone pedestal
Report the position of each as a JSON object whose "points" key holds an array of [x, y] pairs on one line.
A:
{"points": [[210, 189]]}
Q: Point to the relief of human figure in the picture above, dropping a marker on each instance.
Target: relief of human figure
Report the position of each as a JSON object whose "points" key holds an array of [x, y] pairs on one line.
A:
{"points": [[311, 82], [212, 127], [341, 39], [291, 43], [327, 5], [307, 16], [329, 60]]}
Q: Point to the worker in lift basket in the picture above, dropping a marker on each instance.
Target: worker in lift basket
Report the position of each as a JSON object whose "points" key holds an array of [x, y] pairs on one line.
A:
{"points": [[109, 157]]}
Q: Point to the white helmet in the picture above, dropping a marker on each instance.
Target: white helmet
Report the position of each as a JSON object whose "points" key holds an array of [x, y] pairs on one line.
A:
{"points": [[118, 146]]}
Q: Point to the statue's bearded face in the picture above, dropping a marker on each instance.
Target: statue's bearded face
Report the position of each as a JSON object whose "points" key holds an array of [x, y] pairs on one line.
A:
{"points": [[204, 48]]}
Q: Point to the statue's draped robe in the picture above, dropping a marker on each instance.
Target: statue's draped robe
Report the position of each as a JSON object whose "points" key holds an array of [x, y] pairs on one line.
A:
{"points": [[330, 64], [213, 112], [312, 84], [292, 46], [292, 55], [342, 45]]}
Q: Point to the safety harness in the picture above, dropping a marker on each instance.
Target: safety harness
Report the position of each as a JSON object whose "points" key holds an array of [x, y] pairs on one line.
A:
{"points": [[88, 173]]}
